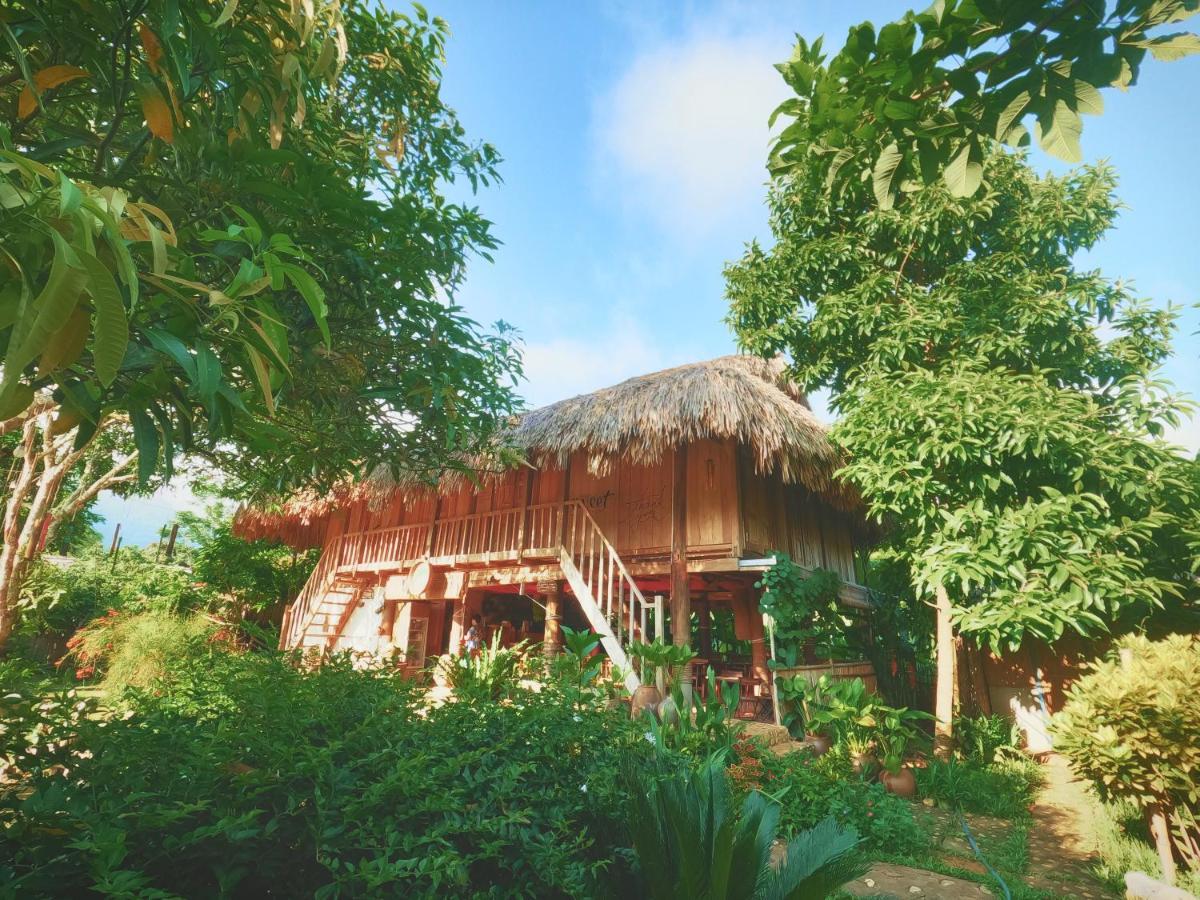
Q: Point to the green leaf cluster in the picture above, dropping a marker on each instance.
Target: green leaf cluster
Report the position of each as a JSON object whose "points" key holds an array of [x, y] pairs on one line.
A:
{"points": [[229, 227], [922, 99], [998, 406]]}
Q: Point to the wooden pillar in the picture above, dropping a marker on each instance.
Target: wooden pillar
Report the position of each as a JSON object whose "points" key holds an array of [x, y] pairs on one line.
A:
{"points": [[758, 642], [681, 601], [706, 649], [552, 600]]}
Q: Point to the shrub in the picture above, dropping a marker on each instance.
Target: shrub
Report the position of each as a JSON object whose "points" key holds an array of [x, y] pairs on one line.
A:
{"points": [[810, 788], [1130, 727], [691, 843], [488, 674], [136, 649], [242, 776], [986, 738]]}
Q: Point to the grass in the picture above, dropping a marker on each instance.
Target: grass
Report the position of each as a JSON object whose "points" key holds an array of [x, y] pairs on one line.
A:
{"points": [[1123, 845], [1003, 789]]}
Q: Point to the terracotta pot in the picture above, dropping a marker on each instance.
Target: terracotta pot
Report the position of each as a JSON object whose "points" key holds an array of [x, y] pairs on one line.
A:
{"points": [[820, 743], [667, 712], [902, 783], [862, 763], [646, 696]]}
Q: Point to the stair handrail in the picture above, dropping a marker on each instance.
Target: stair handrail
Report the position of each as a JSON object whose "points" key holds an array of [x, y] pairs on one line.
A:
{"points": [[639, 608], [303, 609]]}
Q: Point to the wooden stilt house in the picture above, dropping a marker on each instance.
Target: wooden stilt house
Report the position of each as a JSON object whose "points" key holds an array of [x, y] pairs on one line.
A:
{"points": [[673, 485]]}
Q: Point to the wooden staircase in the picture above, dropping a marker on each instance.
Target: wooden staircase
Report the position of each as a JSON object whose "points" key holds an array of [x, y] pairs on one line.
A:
{"points": [[609, 597]]}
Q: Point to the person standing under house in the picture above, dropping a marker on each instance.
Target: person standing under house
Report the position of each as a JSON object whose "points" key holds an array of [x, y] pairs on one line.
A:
{"points": [[474, 638]]}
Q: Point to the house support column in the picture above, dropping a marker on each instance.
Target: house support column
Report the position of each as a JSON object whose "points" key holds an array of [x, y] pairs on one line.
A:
{"points": [[758, 643], [552, 600], [681, 601]]}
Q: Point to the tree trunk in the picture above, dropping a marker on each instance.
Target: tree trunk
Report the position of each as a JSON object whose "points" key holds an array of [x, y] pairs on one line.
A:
{"points": [[41, 461], [943, 707], [1160, 830]]}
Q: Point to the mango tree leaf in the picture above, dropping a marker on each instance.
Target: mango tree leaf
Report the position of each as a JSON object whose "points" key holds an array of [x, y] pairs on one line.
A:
{"points": [[965, 172], [145, 437], [313, 295], [885, 174], [112, 325]]}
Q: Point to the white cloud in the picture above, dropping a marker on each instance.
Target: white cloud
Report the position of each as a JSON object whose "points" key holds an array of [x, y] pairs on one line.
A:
{"points": [[563, 367], [683, 133]]}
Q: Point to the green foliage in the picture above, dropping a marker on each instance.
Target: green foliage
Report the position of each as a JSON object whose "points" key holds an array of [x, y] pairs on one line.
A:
{"points": [[251, 576], [1123, 844], [809, 789], [693, 725], [57, 601], [690, 842], [244, 776], [1004, 788], [804, 607], [923, 98], [1014, 452], [897, 733], [987, 739], [846, 710], [231, 229], [671, 658], [1130, 729], [137, 649], [576, 670], [492, 673]]}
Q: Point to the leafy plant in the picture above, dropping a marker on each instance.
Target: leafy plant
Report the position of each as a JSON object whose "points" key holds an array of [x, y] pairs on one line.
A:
{"points": [[897, 733], [1129, 726], [845, 708], [804, 607], [690, 842], [694, 725], [242, 775], [920, 99], [576, 670], [137, 649], [672, 659], [488, 675], [987, 738]]}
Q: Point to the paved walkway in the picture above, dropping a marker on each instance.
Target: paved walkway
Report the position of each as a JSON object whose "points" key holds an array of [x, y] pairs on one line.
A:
{"points": [[1061, 849], [889, 880]]}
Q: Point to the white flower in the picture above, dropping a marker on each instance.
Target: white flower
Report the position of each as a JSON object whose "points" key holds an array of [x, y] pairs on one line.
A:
{"points": [[649, 736], [577, 718], [583, 787]]}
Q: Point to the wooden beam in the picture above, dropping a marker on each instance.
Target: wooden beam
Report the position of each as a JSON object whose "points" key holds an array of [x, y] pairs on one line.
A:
{"points": [[681, 601]]}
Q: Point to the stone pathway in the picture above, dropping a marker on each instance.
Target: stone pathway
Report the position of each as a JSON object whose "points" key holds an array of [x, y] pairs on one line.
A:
{"points": [[1061, 850], [890, 880]]}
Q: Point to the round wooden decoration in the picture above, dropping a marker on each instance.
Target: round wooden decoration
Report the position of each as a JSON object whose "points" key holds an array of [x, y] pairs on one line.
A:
{"points": [[420, 577]]}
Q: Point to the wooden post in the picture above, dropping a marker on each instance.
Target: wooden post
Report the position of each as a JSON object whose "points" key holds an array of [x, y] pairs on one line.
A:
{"points": [[681, 601], [659, 631], [758, 644], [112, 548], [774, 687], [706, 649], [171, 541], [552, 642], [943, 706]]}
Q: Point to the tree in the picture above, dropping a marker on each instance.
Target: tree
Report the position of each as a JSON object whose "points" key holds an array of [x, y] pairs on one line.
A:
{"points": [[225, 227], [1016, 455], [926, 95]]}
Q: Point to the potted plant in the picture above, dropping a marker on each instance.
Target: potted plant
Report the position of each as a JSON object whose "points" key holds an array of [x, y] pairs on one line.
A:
{"points": [[845, 712], [651, 658], [896, 734]]}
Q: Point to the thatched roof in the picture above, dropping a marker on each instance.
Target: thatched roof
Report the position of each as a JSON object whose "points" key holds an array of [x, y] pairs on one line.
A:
{"points": [[743, 398]]}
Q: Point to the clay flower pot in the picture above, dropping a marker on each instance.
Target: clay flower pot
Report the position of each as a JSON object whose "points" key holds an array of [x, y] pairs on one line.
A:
{"points": [[646, 696], [820, 743], [902, 783], [862, 763]]}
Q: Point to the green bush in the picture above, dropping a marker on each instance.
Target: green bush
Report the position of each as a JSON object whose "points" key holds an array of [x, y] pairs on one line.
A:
{"points": [[986, 738], [809, 789], [241, 776], [137, 649], [1131, 729], [1004, 788]]}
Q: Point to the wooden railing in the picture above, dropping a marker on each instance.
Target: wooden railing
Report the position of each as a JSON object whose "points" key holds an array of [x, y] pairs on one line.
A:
{"points": [[500, 533]]}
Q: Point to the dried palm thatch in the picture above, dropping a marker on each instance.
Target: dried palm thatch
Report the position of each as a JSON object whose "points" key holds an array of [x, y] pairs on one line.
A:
{"points": [[741, 398]]}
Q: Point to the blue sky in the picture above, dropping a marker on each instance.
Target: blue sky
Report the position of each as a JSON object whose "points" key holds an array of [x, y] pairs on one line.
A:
{"points": [[634, 137]]}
